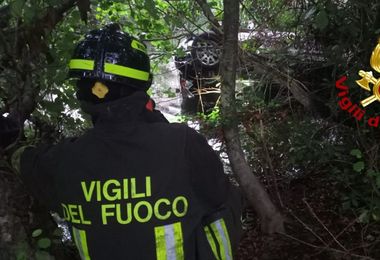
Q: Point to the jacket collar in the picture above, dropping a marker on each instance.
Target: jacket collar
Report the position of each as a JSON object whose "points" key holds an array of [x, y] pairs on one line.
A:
{"points": [[128, 109]]}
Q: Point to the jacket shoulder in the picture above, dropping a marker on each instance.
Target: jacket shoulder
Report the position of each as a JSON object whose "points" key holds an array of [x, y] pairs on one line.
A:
{"points": [[34, 157]]}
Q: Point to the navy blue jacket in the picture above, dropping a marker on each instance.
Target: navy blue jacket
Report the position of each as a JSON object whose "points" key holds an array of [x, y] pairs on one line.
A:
{"points": [[137, 187]]}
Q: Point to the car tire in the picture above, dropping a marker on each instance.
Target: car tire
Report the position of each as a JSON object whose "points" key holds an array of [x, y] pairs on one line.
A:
{"points": [[206, 51]]}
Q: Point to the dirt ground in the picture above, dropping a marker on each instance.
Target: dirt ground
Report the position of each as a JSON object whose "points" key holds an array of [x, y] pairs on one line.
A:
{"points": [[315, 229]]}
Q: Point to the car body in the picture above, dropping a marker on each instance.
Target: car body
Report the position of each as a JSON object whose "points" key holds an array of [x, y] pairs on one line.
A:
{"points": [[199, 72]]}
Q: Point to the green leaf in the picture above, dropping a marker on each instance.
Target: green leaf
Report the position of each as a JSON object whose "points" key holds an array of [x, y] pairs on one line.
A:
{"points": [[21, 250], [321, 20], [213, 4], [376, 214], [363, 218], [150, 6], [357, 153], [43, 255], [371, 173], [378, 181], [36, 232], [359, 166], [44, 243], [30, 14], [16, 7]]}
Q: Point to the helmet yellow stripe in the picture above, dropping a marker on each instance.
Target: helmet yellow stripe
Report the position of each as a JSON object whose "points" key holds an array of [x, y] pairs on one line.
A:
{"points": [[81, 64], [126, 71]]}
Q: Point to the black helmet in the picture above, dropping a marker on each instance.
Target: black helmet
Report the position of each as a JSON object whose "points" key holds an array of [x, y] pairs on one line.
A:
{"points": [[109, 54]]}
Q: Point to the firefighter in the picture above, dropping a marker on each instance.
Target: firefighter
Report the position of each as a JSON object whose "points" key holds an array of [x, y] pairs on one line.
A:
{"points": [[134, 186]]}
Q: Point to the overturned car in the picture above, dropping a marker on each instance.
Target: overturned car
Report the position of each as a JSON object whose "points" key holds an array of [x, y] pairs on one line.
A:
{"points": [[199, 72]]}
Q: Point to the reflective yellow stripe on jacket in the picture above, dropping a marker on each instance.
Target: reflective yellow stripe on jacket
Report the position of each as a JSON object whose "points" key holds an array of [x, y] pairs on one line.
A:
{"points": [[221, 247], [169, 242], [211, 241], [80, 240]]}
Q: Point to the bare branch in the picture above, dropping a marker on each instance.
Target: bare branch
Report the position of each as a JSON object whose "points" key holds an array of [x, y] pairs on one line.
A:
{"points": [[189, 20], [308, 228], [167, 38], [296, 87], [323, 225], [210, 16], [327, 248]]}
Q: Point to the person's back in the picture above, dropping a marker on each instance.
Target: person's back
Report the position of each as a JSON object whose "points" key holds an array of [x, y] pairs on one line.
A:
{"points": [[134, 186]]}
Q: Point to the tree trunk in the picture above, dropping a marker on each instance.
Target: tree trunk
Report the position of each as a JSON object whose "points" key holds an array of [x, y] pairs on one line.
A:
{"points": [[22, 48], [271, 219], [14, 213]]}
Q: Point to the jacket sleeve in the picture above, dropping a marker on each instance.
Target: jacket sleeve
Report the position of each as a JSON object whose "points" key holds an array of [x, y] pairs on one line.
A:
{"points": [[220, 198], [36, 170], [9, 131], [209, 182]]}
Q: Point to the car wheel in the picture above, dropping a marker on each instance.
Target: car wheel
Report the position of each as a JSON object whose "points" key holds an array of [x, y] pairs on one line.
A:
{"points": [[206, 51]]}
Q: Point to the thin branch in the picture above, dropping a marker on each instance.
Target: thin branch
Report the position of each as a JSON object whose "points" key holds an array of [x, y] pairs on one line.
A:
{"points": [[183, 25], [269, 162], [167, 38], [308, 228], [261, 66], [323, 225], [348, 226], [168, 100], [327, 248], [210, 16], [187, 18]]}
